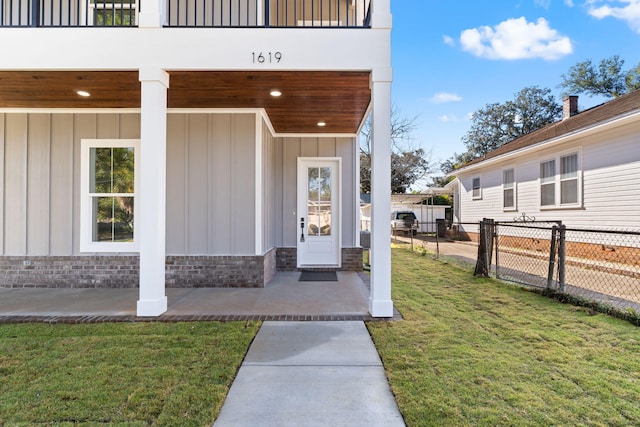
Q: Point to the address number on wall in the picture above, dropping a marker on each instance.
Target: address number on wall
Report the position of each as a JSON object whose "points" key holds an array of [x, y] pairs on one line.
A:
{"points": [[266, 57]]}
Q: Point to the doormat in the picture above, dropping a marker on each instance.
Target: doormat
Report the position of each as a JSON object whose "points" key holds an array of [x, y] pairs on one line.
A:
{"points": [[318, 276]]}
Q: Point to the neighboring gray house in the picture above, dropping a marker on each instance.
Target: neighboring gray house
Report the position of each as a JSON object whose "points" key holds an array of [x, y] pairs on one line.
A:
{"points": [[166, 146], [583, 170]]}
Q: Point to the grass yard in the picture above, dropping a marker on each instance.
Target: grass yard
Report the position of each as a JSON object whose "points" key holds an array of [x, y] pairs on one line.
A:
{"points": [[474, 351], [127, 374]]}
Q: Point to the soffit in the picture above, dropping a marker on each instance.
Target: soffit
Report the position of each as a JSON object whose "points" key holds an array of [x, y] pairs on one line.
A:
{"points": [[340, 99]]}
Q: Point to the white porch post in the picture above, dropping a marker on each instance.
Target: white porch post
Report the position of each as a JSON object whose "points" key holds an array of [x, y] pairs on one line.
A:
{"points": [[152, 14], [381, 14], [152, 198], [380, 304]]}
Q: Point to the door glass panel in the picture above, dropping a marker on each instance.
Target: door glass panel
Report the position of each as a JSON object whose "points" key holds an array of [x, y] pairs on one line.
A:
{"points": [[325, 201], [319, 201]]}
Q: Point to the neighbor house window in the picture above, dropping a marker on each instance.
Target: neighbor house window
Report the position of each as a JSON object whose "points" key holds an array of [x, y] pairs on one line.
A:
{"points": [[109, 188], [569, 179], [476, 190], [560, 188], [548, 183], [508, 189]]}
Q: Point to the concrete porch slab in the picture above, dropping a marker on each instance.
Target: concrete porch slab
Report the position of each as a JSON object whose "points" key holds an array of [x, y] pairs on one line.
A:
{"points": [[282, 298]]}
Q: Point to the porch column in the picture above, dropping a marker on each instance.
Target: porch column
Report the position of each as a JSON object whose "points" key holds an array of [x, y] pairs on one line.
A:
{"points": [[381, 14], [380, 304], [152, 14], [153, 181]]}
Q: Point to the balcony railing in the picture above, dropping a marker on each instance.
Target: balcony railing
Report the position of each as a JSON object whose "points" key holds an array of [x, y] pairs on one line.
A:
{"points": [[188, 13]]}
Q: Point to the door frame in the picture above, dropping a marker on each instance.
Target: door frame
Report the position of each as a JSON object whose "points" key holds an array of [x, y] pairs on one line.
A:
{"points": [[336, 195]]}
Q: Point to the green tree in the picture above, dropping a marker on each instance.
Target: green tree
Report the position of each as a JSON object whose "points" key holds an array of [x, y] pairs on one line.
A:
{"points": [[499, 123], [408, 164], [606, 79]]}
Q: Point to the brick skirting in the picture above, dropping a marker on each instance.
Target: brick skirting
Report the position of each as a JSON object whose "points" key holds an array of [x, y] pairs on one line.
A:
{"points": [[286, 259], [122, 271]]}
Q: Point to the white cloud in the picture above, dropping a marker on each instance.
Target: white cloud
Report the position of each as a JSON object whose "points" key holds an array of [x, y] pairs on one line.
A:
{"points": [[516, 39], [447, 118], [543, 3], [568, 3], [442, 97], [448, 40], [626, 10]]}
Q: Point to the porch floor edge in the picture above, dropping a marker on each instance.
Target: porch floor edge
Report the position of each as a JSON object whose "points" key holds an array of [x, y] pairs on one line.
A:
{"points": [[16, 319]]}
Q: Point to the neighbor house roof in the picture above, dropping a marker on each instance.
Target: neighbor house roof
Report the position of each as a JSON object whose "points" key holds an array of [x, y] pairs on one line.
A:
{"points": [[619, 107]]}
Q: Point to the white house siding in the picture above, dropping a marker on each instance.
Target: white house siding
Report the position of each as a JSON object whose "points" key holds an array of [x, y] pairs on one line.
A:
{"points": [[610, 164], [210, 184]]}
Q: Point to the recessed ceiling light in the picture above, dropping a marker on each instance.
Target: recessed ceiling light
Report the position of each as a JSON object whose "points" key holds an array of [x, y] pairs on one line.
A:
{"points": [[275, 93], [321, 124], [83, 93]]}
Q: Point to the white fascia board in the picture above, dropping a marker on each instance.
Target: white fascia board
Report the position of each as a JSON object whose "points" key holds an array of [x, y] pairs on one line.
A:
{"points": [[320, 49], [600, 127]]}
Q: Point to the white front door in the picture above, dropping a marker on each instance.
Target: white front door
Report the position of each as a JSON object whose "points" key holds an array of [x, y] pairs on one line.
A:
{"points": [[318, 227]]}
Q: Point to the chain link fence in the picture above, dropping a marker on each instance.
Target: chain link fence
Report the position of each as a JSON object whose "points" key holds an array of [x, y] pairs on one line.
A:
{"points": [[597, 265]]}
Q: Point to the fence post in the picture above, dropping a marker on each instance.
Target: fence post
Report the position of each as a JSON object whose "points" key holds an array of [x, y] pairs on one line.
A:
{"points": [[495, 237], [562, 256], [437, 245], [485, 247], [552, 255], [490, 224]]}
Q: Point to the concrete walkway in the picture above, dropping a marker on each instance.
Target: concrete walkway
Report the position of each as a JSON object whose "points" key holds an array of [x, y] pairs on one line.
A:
{"points": [[311, 374]]}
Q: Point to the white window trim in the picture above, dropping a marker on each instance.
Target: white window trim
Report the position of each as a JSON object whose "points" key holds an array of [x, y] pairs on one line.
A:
{"points": [[515, 191], [479, 196], [557, 181], [86, 222]]}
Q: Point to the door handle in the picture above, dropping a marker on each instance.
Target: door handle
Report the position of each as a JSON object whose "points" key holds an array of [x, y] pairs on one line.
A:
{"points": [[302, 229]]}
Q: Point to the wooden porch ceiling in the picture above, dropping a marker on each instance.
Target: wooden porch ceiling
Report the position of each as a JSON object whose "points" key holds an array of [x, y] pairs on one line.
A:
{"points": [[340, 99]]}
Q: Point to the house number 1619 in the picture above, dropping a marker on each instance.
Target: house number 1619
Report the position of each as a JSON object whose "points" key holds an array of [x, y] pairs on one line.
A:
{"points": [[268, 57]]}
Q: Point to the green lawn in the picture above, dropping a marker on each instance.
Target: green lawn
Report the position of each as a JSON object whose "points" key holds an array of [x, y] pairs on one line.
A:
{"points": [[478, 352], [128, 374], [468, 352]]}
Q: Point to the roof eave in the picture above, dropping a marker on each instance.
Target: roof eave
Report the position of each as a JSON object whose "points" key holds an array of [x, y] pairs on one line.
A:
{"points": [[598, 127]]}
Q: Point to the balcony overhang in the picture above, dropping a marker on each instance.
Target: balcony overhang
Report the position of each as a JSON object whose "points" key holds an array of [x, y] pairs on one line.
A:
{"points": [[338, 98]]}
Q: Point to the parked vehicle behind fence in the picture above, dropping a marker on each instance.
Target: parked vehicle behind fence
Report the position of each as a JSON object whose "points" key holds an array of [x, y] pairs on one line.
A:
{"points": [[405, 221]]}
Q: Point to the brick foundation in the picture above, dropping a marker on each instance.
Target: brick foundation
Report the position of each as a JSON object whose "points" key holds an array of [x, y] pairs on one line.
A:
{"points": [[117, 271], [69, 271], [351, 259]]}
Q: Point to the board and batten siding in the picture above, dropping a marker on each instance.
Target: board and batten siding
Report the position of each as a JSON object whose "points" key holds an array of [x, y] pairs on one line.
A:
{"points": [[210, 180], [610, 167], [211, 174], [210, 184], [40, 175], [271, 189]]}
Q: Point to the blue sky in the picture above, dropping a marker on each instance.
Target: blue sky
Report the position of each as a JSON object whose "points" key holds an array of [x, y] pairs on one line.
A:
{"points": [[452, 57]]}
